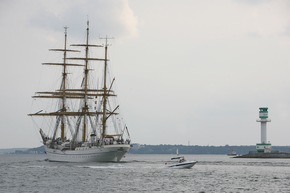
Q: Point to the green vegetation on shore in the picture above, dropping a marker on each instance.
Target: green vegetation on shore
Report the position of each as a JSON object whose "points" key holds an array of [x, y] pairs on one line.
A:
{"points": [[166, 149], [196, 149]]}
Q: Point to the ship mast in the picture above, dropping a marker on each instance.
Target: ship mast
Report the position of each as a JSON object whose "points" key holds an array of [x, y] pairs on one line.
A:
{"points": [[64, 77], [61, 94], [86, 89], [105, 91], [85, 93], [85, 108]]}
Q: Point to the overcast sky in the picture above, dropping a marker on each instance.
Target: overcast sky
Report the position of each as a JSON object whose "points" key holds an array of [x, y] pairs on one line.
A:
{"points": [[189, 71]]}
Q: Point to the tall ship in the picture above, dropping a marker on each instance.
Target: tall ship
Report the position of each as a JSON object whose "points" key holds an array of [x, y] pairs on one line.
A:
{"points": [[83, 118]]}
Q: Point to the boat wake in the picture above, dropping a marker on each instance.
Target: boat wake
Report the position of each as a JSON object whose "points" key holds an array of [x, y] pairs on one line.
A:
{"points": [[118, 166]]}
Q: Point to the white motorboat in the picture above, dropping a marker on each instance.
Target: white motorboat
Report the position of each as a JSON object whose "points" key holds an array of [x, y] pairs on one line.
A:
{"points": [[232, 153], [180, 163]]}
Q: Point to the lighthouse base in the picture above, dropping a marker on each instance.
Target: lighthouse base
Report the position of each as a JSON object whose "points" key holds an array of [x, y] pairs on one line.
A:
{"points": [[264, 147]]}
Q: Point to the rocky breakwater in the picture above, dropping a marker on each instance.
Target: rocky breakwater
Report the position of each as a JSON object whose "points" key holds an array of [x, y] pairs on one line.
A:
{"points": [[270, 155]]}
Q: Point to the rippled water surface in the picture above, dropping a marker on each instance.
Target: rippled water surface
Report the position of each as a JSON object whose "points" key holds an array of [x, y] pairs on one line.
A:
{"points": [[144, 173]]}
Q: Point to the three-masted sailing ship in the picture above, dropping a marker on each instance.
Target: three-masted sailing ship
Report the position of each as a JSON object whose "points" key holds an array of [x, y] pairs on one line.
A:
{"points": [[86, 124]]}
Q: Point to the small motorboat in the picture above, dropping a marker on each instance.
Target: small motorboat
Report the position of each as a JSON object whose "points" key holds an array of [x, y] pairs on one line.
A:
{"points": [[232, 153], [180, 163]]}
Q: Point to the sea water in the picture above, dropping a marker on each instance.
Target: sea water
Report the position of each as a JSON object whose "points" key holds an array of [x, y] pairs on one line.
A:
{"points": [[144, 173]]}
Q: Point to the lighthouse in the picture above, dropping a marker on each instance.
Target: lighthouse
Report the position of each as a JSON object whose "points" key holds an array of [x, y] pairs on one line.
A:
{"points": [[264, 145]]}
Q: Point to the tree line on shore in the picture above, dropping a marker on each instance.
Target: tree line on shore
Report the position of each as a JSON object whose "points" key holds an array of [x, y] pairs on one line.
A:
{"points": [[172, 149], [196, 149]]}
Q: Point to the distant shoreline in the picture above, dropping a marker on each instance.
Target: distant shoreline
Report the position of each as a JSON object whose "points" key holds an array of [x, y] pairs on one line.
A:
{"points": [[196, 149], [164, 149]]}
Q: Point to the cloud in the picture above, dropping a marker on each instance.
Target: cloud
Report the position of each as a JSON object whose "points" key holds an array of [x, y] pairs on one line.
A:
{"points": [[197, 67], [30, 27], [252, 2], [107, 17], [264, 19], [286, 31]]}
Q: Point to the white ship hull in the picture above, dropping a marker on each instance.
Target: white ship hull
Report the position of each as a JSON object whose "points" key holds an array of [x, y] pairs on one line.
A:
{"points": [[106, 153]]}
